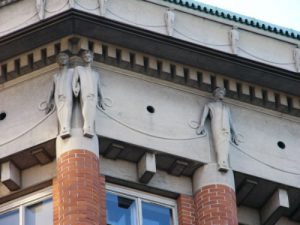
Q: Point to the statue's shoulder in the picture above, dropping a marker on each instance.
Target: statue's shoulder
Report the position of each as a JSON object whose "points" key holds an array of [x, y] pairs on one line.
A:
{"points": [[79, 68], [211, 104]]}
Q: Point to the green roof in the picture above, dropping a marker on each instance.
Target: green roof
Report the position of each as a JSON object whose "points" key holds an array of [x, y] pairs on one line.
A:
{"points": [[215, 11]]}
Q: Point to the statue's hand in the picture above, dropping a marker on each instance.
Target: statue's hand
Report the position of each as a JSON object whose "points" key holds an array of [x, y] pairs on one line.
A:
{"points": [[48, 107], [235, 139], [101, 104], [201, 130], [76, 91]]}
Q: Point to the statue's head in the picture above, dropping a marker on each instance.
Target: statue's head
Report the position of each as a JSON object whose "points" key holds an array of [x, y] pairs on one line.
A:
{"points": [[219, 93], [62, 59], [87, 56]]}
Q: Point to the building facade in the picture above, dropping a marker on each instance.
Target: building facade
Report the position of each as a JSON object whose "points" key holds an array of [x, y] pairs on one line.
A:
{"points": [[113, 112]]}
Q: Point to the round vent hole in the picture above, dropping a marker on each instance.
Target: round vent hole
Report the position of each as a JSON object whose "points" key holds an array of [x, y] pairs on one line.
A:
{"points": [[150, 109], [2, 115], [281, 145]]}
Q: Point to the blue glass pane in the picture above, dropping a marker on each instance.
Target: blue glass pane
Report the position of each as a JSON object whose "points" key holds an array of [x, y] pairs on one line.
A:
{"points": [[120, 210], [11, 218], [156, 215], [40, 213]]}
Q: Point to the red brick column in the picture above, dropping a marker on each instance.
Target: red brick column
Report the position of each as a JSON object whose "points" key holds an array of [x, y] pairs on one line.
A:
{"points": [[79, 190], [216, 205], [55, 202], [214, 196], [186, 210]]}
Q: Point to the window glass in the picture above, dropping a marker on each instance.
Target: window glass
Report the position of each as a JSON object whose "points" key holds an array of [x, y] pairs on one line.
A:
{"points": [[120, 210], [154, 214], [11, 218], [40, 213]]}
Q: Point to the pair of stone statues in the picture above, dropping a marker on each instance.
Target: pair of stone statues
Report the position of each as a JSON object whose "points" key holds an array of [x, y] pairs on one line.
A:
{"points": [[69, 84]]}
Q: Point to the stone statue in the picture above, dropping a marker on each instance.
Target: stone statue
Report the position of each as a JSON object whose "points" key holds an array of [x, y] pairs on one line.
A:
{"points": [[40, 7], [297, 58], [61, 91], [86, 81], [170, 21], [222, 127], [102, 7], [71, 3], [234, 38]]}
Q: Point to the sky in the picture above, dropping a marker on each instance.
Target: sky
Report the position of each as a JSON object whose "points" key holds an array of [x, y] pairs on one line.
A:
{"points": [[284, 13]]}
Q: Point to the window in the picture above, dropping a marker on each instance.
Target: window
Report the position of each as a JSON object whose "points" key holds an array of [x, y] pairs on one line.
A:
{"points": [[33, 209], [125, 206]]}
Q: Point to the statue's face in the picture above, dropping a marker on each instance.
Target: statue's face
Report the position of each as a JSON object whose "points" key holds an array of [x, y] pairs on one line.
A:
{"points": [[87, 57], [62, 59], [219, 94]]}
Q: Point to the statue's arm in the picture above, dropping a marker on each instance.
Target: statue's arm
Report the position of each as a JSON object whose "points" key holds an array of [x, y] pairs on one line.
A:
{"points": [[233, 130], [100, 94], [50, 97], [75, 83], [201, 129]]}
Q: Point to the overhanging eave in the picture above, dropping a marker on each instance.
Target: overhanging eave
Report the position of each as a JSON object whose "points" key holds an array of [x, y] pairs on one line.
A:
{"points": [[92, 26]]}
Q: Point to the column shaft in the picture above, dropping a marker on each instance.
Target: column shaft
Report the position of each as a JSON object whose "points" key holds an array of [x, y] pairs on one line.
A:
{"points": [[214, 196], [216, 205], [79, 191]]}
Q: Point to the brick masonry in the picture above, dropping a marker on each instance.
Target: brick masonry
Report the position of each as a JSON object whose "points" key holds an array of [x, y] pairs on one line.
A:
{"points": [[186, 210], [216, 205], [79, 190]]}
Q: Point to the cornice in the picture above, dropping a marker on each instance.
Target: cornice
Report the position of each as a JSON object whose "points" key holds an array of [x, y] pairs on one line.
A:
{"points": [[74, 22]]}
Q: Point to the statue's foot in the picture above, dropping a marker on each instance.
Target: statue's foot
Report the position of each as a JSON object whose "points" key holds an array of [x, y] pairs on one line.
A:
{"points": [[88, 133], [223, 167], [65, 134]]}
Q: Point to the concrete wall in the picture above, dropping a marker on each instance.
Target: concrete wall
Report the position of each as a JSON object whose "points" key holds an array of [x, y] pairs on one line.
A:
{"points": [[168, 129]]}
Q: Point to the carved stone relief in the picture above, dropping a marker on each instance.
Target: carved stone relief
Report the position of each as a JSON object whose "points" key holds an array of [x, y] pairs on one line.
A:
{"points": [[86, 84], [297, 58], [102, 7], [223, 131], [83, 83], [170, 21], [234, 38], [40, 7]]}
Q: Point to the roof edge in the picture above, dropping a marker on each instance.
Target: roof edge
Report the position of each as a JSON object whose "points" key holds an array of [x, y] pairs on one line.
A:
{"points": [[235, 17]]}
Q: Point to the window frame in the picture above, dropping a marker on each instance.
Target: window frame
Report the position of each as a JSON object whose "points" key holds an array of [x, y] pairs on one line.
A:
{"points": [[21, 203], [140, 196]]}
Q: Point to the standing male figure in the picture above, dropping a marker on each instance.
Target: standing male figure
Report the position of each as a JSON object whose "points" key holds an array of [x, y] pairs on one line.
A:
{"points": [[222, 127], [61, 91], [170, 21], [234, 38], [86, 81], [297, 58]]}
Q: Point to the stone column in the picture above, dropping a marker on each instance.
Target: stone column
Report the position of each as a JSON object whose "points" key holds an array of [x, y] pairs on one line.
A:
{"points": [[79, 190], [214, 196]]}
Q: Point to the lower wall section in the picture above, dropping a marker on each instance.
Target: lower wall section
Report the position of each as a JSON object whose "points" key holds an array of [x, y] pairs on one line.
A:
{"points": [[79, 190], [216, 205]]}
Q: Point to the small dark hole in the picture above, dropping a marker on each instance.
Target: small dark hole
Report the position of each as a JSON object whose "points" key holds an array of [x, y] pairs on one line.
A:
{"points": [[132, 59], [44, 55], [30, 60], [57, 48], [104, 51], [91, 46], [150, 109], [2, 115], [281, 144]]}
